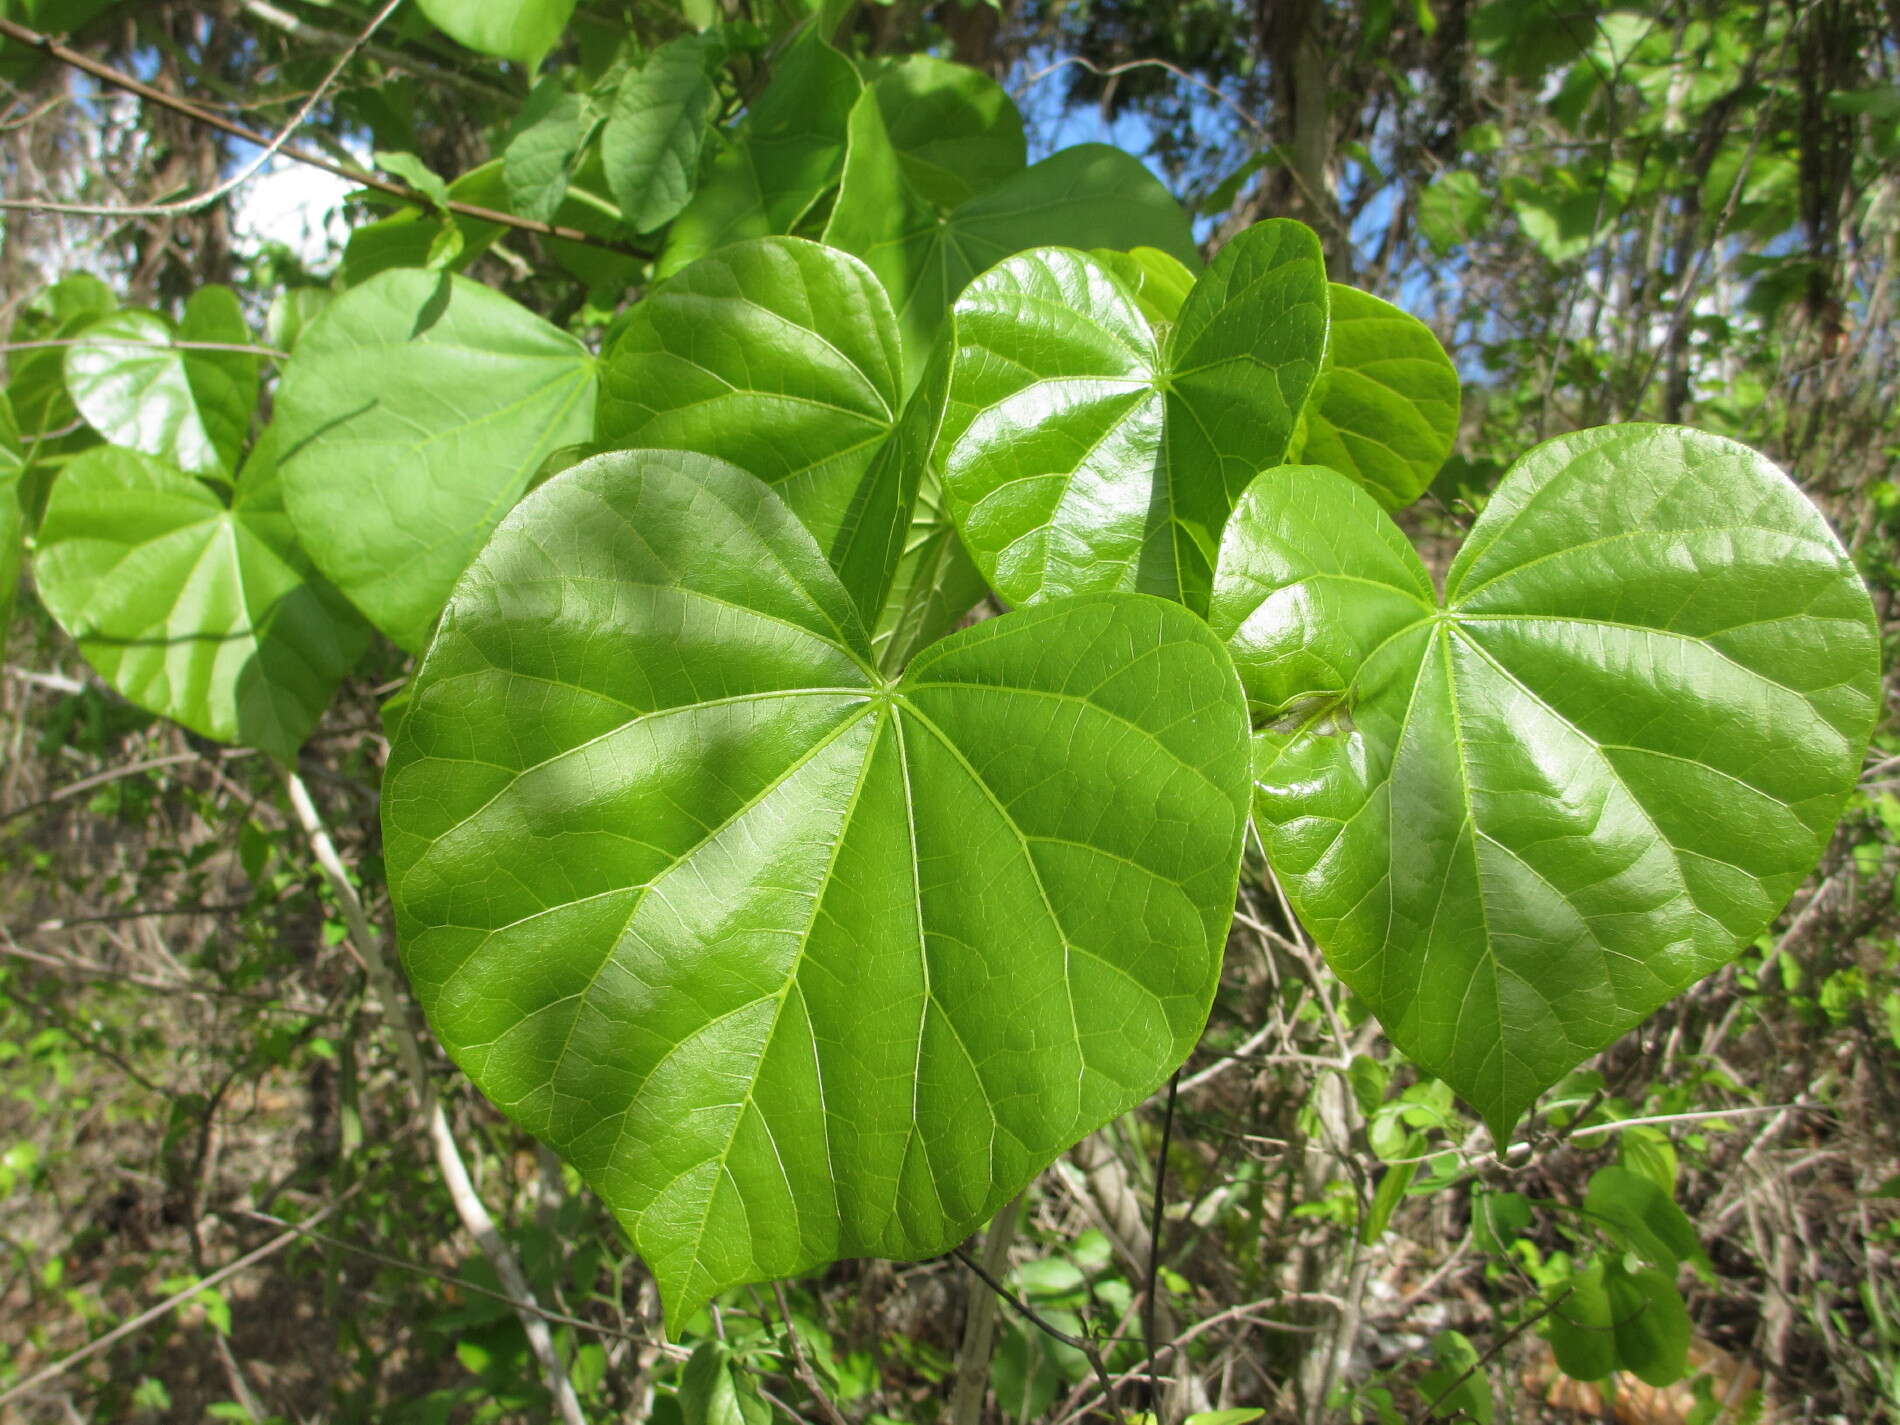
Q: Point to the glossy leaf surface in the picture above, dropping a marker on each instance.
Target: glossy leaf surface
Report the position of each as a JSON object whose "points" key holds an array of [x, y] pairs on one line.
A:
{"points": [[795, 963], [413, 414], [140, 385], [1082, 451], [781, 357], [1090, 195], [1386, 412], [1521, 819], [203, 612], [523, 30]]}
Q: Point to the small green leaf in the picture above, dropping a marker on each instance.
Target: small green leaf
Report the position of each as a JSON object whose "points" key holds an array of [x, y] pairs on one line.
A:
{"points": [[1386, 412], [409, 237], [1080, 451], [1388, 1195], [1642, 1218], [523, 30], [1458, 1387], [1498, 1219], [203, 612], [785, 157], [1650, 1154], [412, 415], [716, 1390], [1652, 1324], [1520, 818], [538, 158], [651, 142], [12, 519], [781, 357], [419, 176], [1452, 210], [1582, 1325], [792, 961]]}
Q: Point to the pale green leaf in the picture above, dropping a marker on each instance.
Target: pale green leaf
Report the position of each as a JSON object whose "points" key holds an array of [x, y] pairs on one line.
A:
{"points": [[1386, 412], [137, 383], [523, 30], [204, 612], [412, 415], [538, 158], [791, 961], [1521, 818]]}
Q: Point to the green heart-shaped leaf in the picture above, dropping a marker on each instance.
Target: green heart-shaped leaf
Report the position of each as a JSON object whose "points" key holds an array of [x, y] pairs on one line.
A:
{"points": [[1522, 818], [781, 357], [793, 962], [1081, 451], [1386, 411], [173, 394], [411, 417], [786, 155], [204, 612], [1087, 196]]}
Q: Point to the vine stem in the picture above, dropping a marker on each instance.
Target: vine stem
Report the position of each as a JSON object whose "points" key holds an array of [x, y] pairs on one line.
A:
{"points": [[469, 1206]]}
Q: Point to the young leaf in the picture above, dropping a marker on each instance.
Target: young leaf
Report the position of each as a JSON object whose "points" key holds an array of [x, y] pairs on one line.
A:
{"points": [[1079, 451], [412, 415], [1386, 411], [792, 962], [203, 612], [782, 357], [521, 30], [1520, 818], [651, 142], [139, 388], [785, 156], [1090, 195]]}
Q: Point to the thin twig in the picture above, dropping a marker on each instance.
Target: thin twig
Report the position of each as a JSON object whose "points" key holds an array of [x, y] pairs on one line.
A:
{"points": [[118, 79], [800, 1366], [1153, 1275], [243, 347], [270, 148], [1029, 1314], [448, 1154]]}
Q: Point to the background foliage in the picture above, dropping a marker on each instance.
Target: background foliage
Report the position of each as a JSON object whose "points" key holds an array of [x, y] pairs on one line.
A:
{"points": [[1680, 211]]}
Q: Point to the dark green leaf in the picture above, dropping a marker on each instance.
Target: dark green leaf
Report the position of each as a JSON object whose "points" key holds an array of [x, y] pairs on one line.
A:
{"points": [[1520, 819], [781, 357], [412, 415], [1080, 451], [1642, 1218], [652, 139], [1458, 1387], [956, 131], [1582, 1325], [1498, 1219], [1652, 1324], [1386, 412], [786, 155], [792, 962], [205, 613]]}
